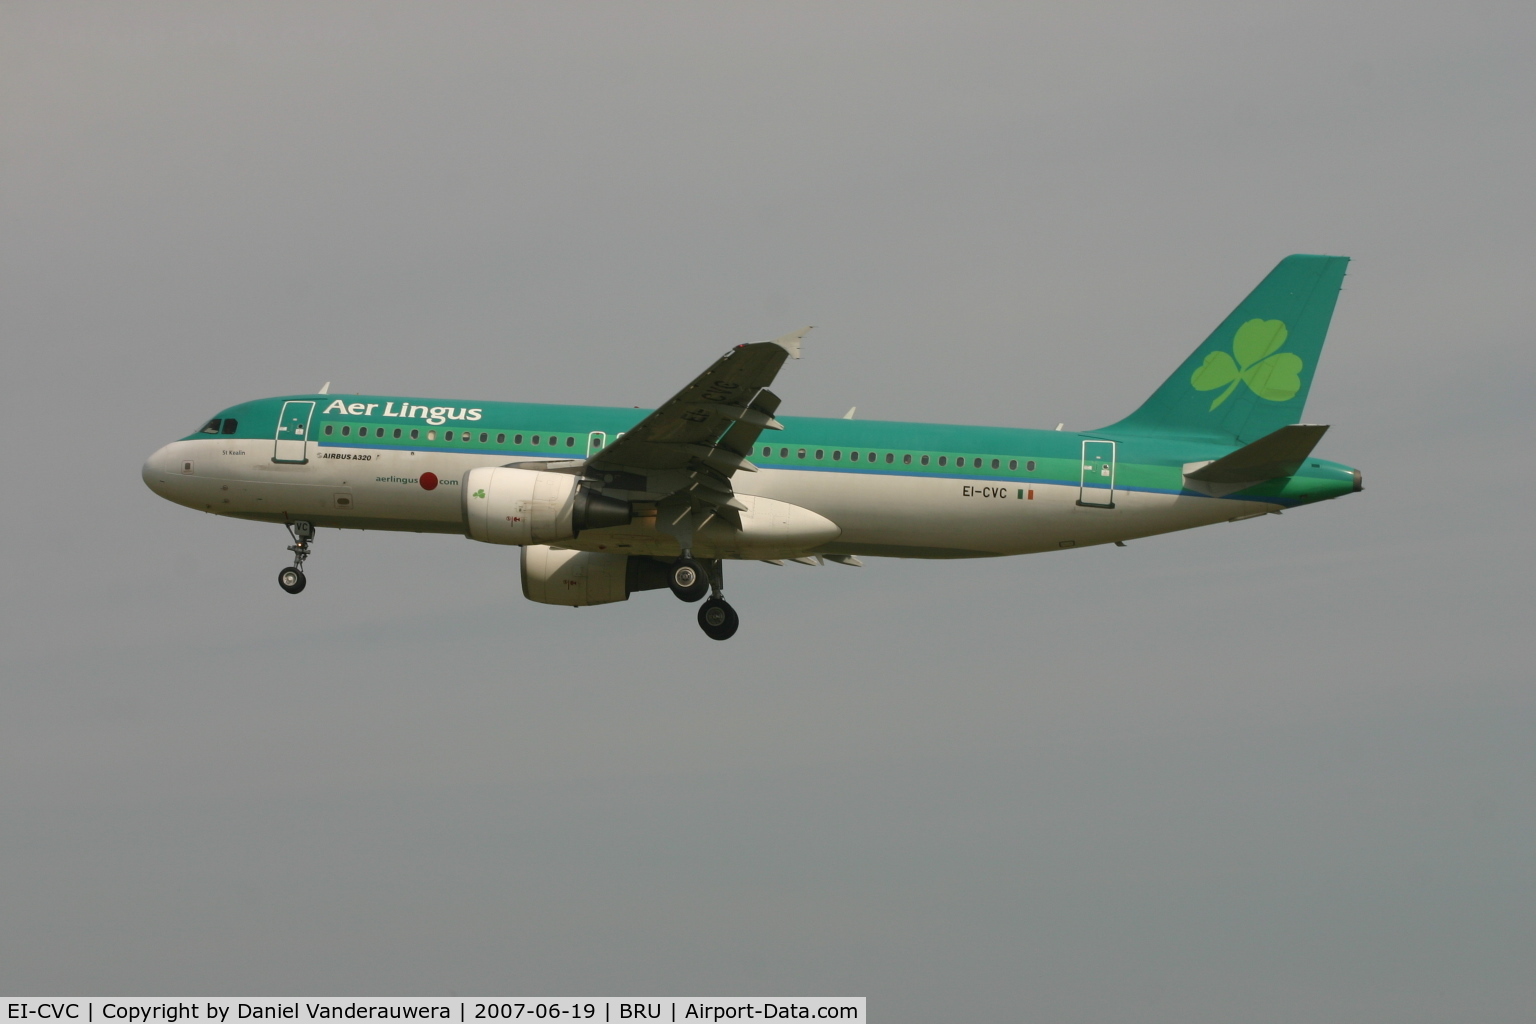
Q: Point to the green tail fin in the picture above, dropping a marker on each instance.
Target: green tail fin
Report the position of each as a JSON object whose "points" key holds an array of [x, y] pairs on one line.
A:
{"points": [[1252, 375]]}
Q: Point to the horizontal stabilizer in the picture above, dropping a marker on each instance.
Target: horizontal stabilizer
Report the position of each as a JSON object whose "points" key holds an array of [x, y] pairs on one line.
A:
{"points": [[1273, 455]]}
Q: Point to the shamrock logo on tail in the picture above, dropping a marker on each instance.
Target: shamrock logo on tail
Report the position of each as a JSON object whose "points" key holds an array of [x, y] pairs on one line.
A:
{"points": [[1271, 375]]}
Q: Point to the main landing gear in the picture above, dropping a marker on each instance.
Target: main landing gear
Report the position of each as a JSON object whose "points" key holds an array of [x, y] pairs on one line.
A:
{"points": [[292, 579], [690, 581], [717, 619], [687, 579]]}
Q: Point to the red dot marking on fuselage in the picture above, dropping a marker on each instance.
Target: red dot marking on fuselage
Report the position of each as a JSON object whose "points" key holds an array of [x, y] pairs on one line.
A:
{"points": [[428, 481]]}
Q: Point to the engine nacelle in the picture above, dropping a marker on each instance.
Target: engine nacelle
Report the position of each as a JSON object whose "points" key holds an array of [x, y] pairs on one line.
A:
{"points": [[577, 578], [522, 506]]}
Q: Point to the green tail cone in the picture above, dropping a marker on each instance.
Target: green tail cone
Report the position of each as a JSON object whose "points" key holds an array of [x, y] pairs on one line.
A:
{"points": [[1252, 375]]}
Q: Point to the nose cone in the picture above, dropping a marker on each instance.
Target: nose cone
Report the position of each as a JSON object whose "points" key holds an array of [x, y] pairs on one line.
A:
{"points": [[163, 471], [1359, 481]]}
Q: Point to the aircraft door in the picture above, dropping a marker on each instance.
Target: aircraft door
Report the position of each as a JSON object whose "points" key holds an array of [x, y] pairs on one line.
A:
{"points": [[292, 443], [1098, 480], [595, 442]]}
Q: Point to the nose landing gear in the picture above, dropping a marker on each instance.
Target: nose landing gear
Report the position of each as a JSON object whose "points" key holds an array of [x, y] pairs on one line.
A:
{"points": [[292, 579]]}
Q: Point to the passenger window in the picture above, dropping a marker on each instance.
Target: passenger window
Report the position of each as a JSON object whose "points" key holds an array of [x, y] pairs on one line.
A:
{"points": [[501, 438], [570, 442], [1013, 463], [431, 435], [943, 460], [345, 431], [906, 460], [329, 428], [484, 438], [1030, 465], [925, 460], [837, 456], [801, 453], [853, 456], [397, 431], [995, 463], [535, 438], [517, 438], [230, 426], [821, 453], [415, 435], [976, 464], [767, 451], [783, 453]]}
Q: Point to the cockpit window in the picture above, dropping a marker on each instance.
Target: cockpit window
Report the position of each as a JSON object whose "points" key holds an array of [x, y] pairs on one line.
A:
{"points": [[211, 427], [230, 425]]}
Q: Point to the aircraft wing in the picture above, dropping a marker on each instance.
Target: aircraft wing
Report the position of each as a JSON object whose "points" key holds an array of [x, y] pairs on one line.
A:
{"points": [[702, 436]]}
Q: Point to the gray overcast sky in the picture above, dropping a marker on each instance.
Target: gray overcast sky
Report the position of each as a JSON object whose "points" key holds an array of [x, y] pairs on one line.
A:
{"points": [[1274, 771]]}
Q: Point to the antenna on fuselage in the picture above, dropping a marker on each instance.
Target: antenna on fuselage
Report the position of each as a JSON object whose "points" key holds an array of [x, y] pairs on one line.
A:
{"points": [[849, 414], [325, 390]]}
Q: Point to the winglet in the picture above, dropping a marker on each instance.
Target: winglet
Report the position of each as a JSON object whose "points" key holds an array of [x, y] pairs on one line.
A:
{"points": [[791, 342]]}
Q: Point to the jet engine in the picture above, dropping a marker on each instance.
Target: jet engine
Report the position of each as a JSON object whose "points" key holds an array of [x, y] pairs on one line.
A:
{"points": [[576, 578], [503, 505]]}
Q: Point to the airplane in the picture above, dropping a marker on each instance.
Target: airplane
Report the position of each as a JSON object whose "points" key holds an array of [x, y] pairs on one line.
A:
{"points": [[608, 502]]}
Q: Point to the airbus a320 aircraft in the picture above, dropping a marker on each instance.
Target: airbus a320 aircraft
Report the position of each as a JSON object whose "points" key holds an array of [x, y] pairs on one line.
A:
{"points": [[606, 502]]}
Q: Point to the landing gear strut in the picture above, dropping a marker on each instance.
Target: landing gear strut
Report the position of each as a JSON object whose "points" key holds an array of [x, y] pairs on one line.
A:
{"points": [[292, 579], [717, 619]]}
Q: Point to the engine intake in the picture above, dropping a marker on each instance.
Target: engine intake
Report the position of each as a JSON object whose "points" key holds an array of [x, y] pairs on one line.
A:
{"points": [[520, 506]]}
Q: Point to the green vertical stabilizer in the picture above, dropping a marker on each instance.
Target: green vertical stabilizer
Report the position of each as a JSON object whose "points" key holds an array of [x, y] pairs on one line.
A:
{"points": [[1252, 375]]}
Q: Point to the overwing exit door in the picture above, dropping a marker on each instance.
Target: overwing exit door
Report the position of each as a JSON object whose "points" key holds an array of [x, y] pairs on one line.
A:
{"points": [[1098, 481], [292, 443]]}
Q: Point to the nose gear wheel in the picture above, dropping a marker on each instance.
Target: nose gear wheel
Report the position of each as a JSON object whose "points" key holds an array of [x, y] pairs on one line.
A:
{"points": [[292, 579]]}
